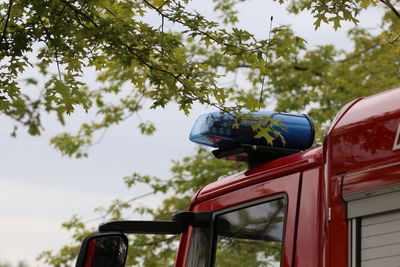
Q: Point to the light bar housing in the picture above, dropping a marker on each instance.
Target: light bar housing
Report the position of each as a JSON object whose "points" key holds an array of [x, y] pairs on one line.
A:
{"points": [[216, 129]]}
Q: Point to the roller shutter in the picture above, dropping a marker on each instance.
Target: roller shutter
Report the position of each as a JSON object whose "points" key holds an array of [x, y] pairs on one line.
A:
{"points": [[380, 240]]}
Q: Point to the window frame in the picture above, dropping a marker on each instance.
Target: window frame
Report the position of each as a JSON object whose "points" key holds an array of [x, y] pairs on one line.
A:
{"points": [[213, 236], [243, 193], [355, 242]]}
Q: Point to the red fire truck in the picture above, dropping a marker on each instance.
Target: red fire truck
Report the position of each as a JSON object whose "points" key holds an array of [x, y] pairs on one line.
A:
{"points": [[335, 205]]}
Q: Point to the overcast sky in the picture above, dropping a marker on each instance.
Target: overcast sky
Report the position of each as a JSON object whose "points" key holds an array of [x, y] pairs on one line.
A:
{"points": [[40, 189]]}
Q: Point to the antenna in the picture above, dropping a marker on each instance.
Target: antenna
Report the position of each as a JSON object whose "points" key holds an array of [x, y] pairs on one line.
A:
{"points": [[266, 60]]}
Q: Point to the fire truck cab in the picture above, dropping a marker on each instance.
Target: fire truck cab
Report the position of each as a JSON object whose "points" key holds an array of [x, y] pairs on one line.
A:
{"points": [[336, 205]]}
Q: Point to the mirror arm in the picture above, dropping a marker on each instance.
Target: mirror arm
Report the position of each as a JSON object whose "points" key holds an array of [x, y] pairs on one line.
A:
{"points": [[195, 219], [144, 227], [179, 224]]}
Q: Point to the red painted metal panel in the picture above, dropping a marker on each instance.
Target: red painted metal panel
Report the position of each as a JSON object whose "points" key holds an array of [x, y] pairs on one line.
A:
{"points": [[364, 136], [183, 249], [270, 170], [288, 185], [311, 238], [338, 235], [360, 141], [371, 179]]}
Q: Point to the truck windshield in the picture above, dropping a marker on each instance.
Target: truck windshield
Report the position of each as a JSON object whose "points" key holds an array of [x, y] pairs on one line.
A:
{"points": [[249, 236]]}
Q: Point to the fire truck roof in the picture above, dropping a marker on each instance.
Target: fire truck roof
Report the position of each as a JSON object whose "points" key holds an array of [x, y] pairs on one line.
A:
{"points": [[269, 170], [365, 134]]}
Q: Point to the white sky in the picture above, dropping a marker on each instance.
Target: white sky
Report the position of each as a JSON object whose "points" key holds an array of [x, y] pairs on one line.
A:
{"points": [[40, 189]]}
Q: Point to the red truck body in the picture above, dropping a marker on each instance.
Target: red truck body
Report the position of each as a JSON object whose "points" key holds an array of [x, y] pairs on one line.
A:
{"points": [[337, 205], [330, 190]]}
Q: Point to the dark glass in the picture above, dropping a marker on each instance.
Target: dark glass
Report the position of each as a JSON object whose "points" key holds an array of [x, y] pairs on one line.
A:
{"points": [[251, 236], [109, 251], [199, 246]]}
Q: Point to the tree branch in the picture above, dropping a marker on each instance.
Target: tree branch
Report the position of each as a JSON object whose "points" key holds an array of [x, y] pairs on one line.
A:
{"points": [[166, 2], [7, 20], [52, 43], [57, 62], [130, 49], [389, 5], [204, 33], [178, 77], [78, 11], [156, 242], [361, 52], [395, 40]]}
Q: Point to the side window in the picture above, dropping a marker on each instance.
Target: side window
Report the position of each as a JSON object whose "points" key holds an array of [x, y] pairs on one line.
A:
{"points": [[199, 247], [251, 236]]}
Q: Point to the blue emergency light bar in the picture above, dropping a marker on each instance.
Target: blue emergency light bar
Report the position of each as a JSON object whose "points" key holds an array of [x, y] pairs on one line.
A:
{"points": [[216, 129]]}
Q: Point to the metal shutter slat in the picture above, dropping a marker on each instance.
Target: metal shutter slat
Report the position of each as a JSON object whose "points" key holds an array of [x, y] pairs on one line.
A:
{"points": [[380, 240]]}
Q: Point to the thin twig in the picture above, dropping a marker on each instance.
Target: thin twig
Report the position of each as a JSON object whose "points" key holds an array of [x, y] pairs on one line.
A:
{"points": [[102, 217], [361, 52], [76, 10], [395, 40], [162, 32], [166, 2], [208, 35], [177, 77], [57, 62], [141, 196], [53, 44], [157, 242], [60, 16], [100, 138]]}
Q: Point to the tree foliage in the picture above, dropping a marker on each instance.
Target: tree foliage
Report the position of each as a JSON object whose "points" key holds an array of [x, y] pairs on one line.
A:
{"points": [[188, 176], [19, 264], [137, 59]]}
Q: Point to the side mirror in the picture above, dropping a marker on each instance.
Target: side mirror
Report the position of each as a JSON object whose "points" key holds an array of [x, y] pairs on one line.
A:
{"points": [[109, 247], [103, 250]]}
